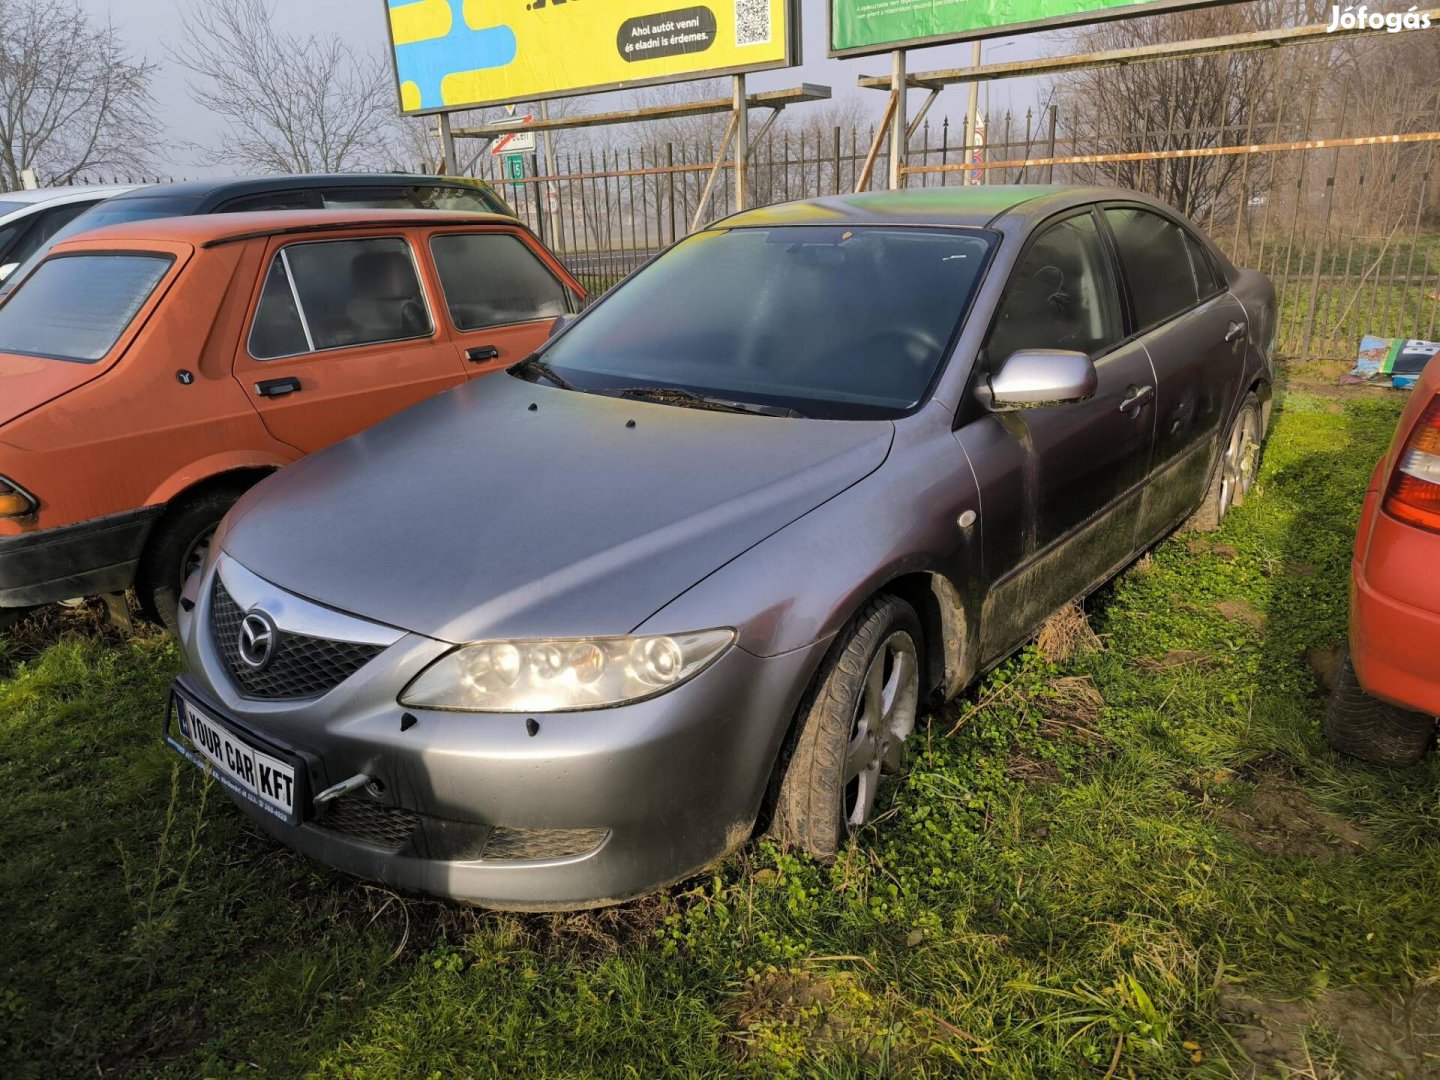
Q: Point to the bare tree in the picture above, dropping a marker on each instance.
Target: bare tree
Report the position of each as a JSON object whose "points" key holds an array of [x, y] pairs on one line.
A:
{"points": [[1188, 104], [289, 103], [72, 100]]}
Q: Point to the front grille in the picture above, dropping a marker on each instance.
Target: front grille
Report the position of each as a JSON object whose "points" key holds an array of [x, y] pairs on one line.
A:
{"points": [[535, 844], [388, 827], [301, 667]]}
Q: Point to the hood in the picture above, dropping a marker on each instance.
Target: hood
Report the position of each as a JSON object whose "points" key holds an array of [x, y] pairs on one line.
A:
{"points": [[27, 382], [509, 509]]}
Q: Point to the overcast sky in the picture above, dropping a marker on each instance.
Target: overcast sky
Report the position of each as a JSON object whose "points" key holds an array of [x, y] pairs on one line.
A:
{"points": [[151, 25]]}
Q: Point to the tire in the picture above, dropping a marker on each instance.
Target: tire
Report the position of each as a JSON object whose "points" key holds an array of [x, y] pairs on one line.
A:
{"points": [[1373, 730], [852, 728], [1236, 469], [175, 547]]}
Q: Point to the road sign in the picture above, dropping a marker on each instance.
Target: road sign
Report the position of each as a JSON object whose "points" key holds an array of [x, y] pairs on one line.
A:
{"points": [[515, 142], [515, 166]]}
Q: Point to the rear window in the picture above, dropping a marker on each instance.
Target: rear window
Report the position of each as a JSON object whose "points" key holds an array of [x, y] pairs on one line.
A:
{"points": [[75, 307]]}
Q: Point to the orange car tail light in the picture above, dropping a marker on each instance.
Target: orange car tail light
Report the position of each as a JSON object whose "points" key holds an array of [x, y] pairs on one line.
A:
{"points": [[1414, 493]]}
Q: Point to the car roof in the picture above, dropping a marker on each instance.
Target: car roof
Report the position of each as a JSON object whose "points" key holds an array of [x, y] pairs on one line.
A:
{"points": [[233, 186], [209, 230], [66, 193], [973, 206]]}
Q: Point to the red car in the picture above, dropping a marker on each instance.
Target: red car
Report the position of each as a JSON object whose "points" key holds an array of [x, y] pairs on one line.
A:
{"points": [[1387, 691]]}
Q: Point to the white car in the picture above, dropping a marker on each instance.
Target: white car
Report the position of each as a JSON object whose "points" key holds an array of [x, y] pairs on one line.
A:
{"points": [[29, 218]]}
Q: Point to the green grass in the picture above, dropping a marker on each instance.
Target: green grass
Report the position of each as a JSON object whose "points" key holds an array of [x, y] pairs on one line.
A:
{"points": [[1068, 886]]}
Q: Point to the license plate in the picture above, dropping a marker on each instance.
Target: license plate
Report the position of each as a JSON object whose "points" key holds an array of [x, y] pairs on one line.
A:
{"points": [[247, 770]]}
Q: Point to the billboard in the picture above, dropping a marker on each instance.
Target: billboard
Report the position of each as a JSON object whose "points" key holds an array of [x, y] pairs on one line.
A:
{"points": [[458, 54], [858, 27]]}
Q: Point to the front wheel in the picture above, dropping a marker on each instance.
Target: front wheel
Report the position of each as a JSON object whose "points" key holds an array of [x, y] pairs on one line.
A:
{"points": [[1236, 470], [1373, 730], [852, 728]]}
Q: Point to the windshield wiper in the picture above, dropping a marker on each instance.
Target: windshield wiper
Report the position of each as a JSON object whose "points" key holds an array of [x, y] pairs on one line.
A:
{"points": [[673, 395], [533, 365]]}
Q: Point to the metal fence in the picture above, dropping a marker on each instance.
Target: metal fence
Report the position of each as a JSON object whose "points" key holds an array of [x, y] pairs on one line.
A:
{"points": [[1343, 217]]}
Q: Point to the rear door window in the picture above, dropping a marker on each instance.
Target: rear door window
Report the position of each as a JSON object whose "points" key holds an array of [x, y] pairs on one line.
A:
{"points": [[334, 294], [75, 307], [491, 279], [1157, 263]]}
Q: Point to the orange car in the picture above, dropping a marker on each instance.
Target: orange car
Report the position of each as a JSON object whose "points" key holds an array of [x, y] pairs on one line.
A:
{"points": [[1387, 691], [152, 372]]}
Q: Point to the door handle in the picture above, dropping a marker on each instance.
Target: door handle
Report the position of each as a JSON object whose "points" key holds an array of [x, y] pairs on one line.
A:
{"points": [[277, 387], [1136, 397], [1237, 330], [481, 353]]}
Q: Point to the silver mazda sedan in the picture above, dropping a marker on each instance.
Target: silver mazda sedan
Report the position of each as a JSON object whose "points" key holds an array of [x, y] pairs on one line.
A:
{"points": [[560, 636]]}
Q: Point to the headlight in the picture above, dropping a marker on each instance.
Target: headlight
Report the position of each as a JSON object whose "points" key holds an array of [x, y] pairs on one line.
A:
{"points": [[562, 674], [15, 501]]}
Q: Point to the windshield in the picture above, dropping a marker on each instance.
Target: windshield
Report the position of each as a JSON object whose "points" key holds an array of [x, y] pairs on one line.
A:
{"points": [[75, 307], [110, 212], [830, 321]]}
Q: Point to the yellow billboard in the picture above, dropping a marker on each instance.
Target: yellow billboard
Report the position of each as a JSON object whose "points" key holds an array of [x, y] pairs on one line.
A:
{"points": [[459, 54]]}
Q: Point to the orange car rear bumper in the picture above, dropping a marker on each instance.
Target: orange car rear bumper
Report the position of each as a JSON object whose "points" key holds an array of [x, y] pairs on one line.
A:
{"points": [[1394, 642]]}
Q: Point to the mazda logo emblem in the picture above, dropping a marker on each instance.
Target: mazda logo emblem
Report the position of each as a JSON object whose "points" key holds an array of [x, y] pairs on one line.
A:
{"points": [[257, 640]]}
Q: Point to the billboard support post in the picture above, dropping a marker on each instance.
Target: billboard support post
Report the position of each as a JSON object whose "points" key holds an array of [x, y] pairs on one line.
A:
{"points": [[899, 131], [741, 124], [449, 165], [548, 191]]}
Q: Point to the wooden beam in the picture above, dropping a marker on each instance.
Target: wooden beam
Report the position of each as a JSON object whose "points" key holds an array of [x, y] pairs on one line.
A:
{"points": [[1193, 152], [1053, 65], [770, 99]]}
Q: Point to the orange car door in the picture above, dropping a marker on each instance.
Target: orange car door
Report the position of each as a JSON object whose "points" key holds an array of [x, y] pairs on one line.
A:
{"points": [[501, 296], [342, 334]]}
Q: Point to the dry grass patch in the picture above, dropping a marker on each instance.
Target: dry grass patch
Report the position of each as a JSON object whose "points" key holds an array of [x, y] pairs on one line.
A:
{"points": [[1066, 633]]}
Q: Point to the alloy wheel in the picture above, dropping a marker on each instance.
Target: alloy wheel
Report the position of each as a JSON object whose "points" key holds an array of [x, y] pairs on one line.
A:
{"points": [[884, 719], [195, 556], [1242, 457]]}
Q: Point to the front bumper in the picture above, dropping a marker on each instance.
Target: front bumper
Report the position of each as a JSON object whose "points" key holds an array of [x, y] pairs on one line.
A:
{"points": [[86, 559], [592, 808]]}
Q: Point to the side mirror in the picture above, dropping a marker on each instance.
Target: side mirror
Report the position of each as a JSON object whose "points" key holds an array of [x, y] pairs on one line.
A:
{"points": [[1032, 378], [559, 324]]}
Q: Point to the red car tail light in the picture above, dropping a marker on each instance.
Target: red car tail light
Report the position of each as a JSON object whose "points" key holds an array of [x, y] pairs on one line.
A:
{"points": [[1414, 493]]}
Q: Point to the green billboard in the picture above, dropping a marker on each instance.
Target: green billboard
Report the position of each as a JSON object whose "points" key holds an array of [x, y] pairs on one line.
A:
{"points": [[858, 27]]}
